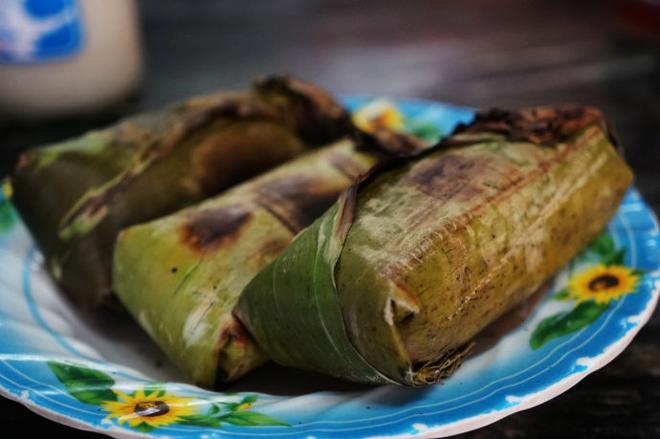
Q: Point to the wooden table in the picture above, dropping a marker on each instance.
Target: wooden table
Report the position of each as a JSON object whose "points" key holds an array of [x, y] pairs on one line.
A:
{"points": [[479, 53]]}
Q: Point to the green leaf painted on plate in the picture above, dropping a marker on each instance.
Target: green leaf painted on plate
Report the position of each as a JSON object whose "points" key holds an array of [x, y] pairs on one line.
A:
{"points": [[424, 130], [615, 258], [603, 245], [562, 295], [214, 410], [243, 404], [247, 419], [230, 406], [565, 323], [199, 421], [87, 385], [250, 399], [143, 427], [7, 216], [155, 387]]}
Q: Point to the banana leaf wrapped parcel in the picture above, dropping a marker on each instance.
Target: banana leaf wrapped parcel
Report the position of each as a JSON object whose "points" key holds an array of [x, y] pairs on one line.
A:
{"points": [[76, 195], [392, 282], [180, 276]]}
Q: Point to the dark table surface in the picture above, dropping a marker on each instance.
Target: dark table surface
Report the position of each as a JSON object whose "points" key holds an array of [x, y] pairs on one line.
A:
{"points": [[480, 53]]}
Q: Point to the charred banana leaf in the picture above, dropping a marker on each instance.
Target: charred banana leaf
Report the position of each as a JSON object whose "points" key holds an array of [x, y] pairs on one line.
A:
{"points": [[180, 276], [392, 283], [75, 196]]}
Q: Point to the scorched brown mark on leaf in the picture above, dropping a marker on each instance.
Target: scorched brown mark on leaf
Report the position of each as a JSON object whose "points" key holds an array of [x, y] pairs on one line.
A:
{"points": [[346, 165], [211, 229], [390, 144], [317, 116], [444, 178], [211, 170], [541, 126], [273, 248], [297, 200]]}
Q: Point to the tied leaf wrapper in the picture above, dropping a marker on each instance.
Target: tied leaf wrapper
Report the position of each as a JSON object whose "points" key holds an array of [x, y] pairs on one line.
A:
{"points": [[75, 196], [180, 276], [393, 282]]}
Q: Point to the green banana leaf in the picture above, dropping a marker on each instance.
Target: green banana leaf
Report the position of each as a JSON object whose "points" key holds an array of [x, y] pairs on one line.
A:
{"points": [[75, 196], [393, 282], [180, 276]]}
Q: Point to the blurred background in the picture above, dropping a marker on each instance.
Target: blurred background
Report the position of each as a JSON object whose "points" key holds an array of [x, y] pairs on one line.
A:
{"points": [[478, 53]]}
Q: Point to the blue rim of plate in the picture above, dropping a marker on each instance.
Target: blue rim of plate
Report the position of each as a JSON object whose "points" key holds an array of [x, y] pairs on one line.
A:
{"points": [[472, 398]]}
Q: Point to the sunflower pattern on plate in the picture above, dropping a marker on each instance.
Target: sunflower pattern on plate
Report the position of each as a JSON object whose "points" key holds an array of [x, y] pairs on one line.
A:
{"points": [[602, 279], [150, 406], [602, 283], [383, 114]]}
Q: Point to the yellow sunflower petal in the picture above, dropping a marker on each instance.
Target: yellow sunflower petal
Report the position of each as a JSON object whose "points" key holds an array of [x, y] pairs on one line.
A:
{"points": [[123, 396], [133, 421], [7, 190], [112, 406], [378, 114], [244, 406], [170, 408], [603, 283]]}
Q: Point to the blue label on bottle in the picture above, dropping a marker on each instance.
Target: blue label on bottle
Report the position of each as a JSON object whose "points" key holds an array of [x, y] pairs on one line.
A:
{"points": [[35, 31]]}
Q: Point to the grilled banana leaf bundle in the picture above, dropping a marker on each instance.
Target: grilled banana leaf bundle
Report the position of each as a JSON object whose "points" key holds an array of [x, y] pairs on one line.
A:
{"points": [[180, 276], [75, 196], [395, 279]]}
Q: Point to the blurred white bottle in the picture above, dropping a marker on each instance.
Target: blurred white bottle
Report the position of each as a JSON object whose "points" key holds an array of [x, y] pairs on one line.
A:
{"points": [[63, 57]]}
